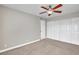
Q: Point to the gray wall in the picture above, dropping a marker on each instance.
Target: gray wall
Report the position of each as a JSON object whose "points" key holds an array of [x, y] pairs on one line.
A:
{"points": [[1, 34], [17, 27]]}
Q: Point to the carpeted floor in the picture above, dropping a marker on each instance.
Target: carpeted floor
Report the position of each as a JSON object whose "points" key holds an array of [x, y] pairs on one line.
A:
{"points": [[45, 47]]}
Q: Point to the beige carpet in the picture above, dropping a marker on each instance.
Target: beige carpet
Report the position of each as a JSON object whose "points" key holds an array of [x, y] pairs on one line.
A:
{"points": [[45, 47]]}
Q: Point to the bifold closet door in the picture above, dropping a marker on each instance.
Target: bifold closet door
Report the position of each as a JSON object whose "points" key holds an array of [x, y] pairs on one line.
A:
{"points": [[42, 22]]}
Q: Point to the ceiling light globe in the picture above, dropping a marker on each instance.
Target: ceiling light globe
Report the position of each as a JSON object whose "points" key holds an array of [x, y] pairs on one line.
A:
{"points": [[49, 12]]}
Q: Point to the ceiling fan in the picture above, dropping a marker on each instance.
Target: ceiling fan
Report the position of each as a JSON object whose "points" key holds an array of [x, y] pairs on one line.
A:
{"points": [[50, 9]]}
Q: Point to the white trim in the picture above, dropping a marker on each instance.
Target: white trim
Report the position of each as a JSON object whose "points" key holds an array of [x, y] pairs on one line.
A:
{"points": [[7, 49], [64, 41]]}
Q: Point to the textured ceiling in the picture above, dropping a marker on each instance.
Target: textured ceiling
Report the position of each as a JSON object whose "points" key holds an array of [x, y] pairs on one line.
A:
{"points": [[35, 9]]}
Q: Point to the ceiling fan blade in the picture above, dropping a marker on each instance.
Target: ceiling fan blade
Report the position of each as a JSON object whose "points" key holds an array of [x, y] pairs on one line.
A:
{"points": [[57, 11], [44, 8], [59, 5], [43, 12]]}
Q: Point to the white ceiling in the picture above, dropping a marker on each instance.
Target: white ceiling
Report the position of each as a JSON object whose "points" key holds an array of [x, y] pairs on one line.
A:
{"points": [[35, 9]]}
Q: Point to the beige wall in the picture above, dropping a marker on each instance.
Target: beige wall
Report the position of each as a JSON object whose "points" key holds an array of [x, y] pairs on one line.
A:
{"points": [[17, 27]]}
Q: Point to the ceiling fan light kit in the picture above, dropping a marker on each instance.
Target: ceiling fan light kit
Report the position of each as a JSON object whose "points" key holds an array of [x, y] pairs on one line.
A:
{"points": [[49, 12]]}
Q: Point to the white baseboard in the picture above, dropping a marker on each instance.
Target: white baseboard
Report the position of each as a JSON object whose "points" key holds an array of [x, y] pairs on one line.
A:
{"points": [[7, 49], [64, 41], [14, 47]]}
